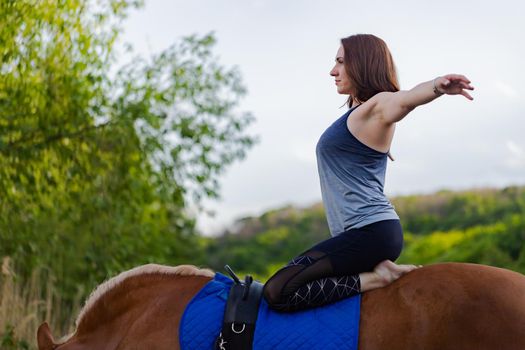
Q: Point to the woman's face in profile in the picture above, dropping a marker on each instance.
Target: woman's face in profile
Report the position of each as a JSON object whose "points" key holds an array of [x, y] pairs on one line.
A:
{"points": [[339, 73]]}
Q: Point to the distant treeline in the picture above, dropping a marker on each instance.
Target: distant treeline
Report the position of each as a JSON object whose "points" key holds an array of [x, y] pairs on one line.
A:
{"points": [[485, 226]]}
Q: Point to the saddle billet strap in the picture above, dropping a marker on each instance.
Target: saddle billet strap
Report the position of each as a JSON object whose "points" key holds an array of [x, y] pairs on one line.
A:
{"points": [[240, 316]]}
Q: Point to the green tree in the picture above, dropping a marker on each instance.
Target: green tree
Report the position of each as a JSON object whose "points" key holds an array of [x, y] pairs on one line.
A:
{"points": [[98, 169]]}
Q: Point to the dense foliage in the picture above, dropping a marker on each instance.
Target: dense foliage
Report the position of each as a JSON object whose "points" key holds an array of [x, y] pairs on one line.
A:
{"points": [[99, 164]]}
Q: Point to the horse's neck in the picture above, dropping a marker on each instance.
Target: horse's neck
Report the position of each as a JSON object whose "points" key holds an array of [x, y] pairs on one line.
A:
{"points": [[137, 308]]}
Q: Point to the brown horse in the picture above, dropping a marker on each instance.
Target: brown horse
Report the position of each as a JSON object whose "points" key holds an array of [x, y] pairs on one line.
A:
{"points": [[440, 306]]}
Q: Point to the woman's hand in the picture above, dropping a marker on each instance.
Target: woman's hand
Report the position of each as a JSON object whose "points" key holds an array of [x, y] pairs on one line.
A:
{"points": [[454, 84]]}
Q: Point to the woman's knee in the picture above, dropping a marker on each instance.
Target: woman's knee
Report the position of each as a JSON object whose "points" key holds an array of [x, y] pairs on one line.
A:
{"points": [[276, 290], [303, 268], [272, 293]]}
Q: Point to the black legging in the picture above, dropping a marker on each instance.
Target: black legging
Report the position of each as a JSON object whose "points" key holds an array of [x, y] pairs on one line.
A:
{"points": [[329, 271]]}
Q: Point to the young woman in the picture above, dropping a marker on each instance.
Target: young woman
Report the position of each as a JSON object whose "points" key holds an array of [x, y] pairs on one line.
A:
{"points": [[352, 155]]}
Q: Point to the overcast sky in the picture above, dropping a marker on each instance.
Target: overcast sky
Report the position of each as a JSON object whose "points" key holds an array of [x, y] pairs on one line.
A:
{"points": [[285, 50]]}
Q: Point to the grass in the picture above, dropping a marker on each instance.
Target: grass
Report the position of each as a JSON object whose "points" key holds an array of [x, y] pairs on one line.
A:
{"points": [[24, 305]]}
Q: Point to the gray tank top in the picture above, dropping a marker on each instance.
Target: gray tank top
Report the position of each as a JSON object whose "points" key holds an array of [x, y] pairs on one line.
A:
{"points": [[352, 179]]}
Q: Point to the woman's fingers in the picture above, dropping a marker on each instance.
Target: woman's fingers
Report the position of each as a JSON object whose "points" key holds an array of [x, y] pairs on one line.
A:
{"points": [[454, 84], [467, 95], [461, 82], [467, 86], [457, 77]]}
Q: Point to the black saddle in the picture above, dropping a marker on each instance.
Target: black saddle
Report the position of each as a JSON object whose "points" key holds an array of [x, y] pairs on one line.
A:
{"points": [[240, 315]]}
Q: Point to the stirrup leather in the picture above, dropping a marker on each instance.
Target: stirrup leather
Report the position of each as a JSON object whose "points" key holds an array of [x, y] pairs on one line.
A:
{"points": [[240, 314]]}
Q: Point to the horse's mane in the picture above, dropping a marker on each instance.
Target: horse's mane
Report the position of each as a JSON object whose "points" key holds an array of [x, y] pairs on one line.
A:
{"points": [[102, 289]]}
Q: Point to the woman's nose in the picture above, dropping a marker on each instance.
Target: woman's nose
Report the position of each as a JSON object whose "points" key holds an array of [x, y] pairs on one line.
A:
{"points": [[333, 72]]}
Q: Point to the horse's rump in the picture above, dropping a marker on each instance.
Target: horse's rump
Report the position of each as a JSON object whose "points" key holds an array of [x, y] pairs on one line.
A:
{"points": [[447, 306]]}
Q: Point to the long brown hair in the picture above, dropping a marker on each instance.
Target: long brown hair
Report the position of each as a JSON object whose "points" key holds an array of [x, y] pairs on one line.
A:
{"points": [[369, 66]]}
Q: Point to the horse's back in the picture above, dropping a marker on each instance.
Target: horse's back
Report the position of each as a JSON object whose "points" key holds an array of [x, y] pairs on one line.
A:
{"points": [[446, 306]]}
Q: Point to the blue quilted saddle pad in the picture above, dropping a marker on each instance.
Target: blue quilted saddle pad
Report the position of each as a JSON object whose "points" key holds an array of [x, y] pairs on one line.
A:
{"points": [[334, 326]]}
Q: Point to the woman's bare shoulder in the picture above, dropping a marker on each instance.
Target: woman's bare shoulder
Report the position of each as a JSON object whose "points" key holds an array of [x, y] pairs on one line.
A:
{"points": [[374, 108], [369, 109]]}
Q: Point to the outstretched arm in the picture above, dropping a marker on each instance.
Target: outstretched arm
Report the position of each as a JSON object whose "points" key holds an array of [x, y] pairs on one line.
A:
{"points": [[391, 107]]}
